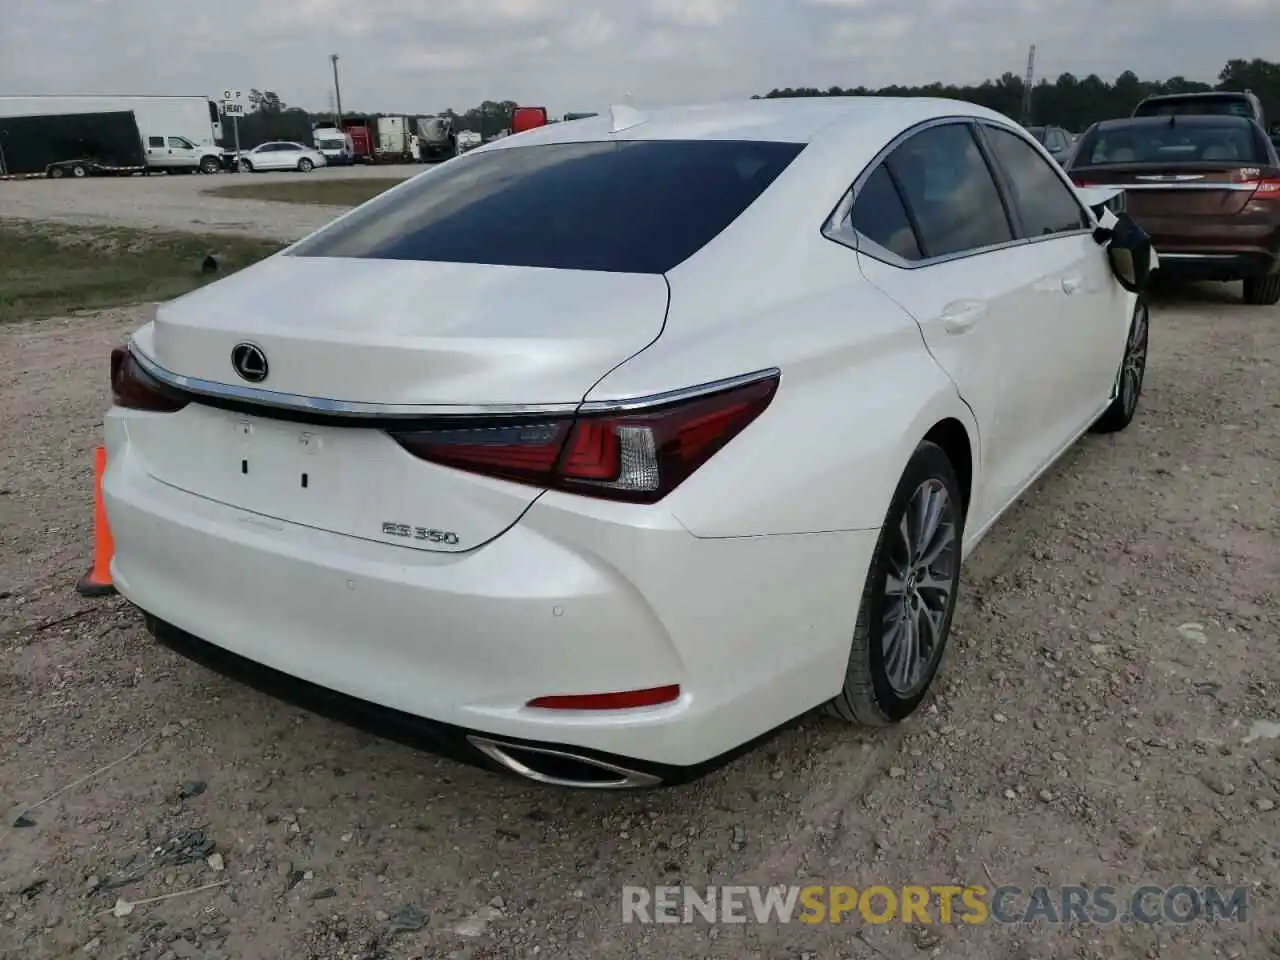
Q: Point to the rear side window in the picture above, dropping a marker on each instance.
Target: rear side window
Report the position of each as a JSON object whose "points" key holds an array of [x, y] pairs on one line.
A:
{"points": [[621, 207], [949, 191], [878, 214], [1226, 141], [1045, 204]]}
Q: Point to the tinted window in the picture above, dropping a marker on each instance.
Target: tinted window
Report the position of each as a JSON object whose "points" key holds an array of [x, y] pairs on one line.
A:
{"points": [[878, 214], [1044, 202], [1226, 140], [178, 142], [949, 191], [1220, 106], [624, 207], [155, 141]]}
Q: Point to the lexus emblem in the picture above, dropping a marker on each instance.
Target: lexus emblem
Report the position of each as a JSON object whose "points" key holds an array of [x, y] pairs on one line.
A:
{"points": [[249, 362]]}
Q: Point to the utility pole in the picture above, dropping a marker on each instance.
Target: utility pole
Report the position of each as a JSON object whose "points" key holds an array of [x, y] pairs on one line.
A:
{"points": [[337, 91], [1026, 85]]}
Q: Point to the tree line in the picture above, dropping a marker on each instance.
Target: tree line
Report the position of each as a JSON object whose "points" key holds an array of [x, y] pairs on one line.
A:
{"points": [[1069, 101], [1073, 102]]}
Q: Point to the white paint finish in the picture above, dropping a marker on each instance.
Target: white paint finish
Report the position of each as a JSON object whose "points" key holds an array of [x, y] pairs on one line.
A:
{"points": [[468, 639], [742, 585], [387, 331]]}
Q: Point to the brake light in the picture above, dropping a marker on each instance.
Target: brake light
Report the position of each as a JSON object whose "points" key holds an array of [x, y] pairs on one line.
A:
{"points": [[135, 389], [636, 455]]}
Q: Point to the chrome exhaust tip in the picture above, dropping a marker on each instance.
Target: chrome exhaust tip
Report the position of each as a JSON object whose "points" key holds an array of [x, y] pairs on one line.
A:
{"points": [[560, 768]]}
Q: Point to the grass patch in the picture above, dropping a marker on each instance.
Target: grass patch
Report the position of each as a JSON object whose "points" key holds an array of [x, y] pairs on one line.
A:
{"points": [[49, 269], [329, 193]]}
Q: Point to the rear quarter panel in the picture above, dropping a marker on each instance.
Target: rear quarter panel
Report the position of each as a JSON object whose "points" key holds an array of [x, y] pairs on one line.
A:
{"points": [[857, 394]]}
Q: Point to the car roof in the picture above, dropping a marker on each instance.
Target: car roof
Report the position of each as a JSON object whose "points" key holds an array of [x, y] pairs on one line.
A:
{"points": [[791, 120], [1203, 95], [1180, 120]]}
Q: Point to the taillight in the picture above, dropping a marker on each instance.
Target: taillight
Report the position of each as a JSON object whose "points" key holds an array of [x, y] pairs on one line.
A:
{"points": [[135, 389], [637, 455], [1268, 189]]}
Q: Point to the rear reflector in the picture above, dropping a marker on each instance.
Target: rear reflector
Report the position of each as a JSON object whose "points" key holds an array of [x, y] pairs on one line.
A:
{"points": [[639, 455], [135, 389], [627, 700]]}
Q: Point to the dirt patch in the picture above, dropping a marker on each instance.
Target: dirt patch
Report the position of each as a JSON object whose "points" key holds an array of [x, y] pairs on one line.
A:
{"points": [[1106, 715], [51, 269], [331, 193]]}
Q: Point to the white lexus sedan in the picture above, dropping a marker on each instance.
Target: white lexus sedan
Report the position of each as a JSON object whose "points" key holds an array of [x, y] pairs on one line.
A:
{"points": [[599, 453]]}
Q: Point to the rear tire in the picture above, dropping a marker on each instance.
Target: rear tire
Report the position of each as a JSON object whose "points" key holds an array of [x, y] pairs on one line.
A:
{"points": [[1133, 370], [57, 173], [1262, 291], [909, 596], [79, 170]]}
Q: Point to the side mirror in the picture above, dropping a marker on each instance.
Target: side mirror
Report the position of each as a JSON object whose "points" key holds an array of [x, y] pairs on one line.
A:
{"points": [[1129, 251]]}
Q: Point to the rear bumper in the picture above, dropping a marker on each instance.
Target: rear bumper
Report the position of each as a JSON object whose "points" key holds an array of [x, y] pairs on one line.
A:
{"points": [[595, 768], [754, 630], [1216, 264]]}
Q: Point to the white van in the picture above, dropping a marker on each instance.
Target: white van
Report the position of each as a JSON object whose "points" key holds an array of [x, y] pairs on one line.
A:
{"points": [[336, 146]]}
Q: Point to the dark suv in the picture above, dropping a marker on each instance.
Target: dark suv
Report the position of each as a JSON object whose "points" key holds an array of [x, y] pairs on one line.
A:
{"points": [[1232, 103]]}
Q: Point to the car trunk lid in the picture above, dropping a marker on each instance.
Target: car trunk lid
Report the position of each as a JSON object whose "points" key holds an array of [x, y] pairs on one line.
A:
{"points": [[1182, 190], [409, 338]]}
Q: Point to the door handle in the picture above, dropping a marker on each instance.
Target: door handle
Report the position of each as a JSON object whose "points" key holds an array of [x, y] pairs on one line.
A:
{"points": [[959, 316], [1071, 284]]}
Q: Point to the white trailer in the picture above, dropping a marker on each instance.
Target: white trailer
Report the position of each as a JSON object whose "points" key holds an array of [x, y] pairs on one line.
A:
{"points": [[178, 133], [393, 138]]}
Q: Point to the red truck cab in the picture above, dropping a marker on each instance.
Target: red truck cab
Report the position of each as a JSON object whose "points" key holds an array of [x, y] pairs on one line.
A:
{"points": [[526, 118], [361, 138]]}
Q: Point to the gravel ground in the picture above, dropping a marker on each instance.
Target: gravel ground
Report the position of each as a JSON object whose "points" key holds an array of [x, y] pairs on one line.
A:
{"points": [[1106, 715], [178, 202]]}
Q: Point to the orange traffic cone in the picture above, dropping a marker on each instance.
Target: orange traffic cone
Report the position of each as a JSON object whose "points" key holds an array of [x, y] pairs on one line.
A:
{"points": [[97, 582]]}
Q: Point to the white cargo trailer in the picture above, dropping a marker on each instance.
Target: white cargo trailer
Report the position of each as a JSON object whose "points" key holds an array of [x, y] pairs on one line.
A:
{"points": [[178, 133]]}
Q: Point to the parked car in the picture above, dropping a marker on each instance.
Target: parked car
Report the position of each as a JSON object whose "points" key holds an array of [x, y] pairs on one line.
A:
{"points": [[637, 489], [1205, 187], [281, 155], [1054, 139], [1233, 103]]}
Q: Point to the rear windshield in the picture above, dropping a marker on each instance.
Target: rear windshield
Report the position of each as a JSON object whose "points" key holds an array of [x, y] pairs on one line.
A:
{"points": [[1230, 142], [1206, 106], [621, 207]]}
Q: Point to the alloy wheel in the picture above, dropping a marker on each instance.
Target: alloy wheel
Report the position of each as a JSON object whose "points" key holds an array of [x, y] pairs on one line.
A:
{"points": [[919, 580], [1135, 361]]}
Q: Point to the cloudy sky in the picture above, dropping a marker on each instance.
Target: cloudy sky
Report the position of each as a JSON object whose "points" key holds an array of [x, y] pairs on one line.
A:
{"points": [[425, 55]]}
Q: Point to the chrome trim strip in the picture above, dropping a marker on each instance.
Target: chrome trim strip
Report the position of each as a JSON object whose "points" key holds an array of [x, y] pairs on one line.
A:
{"points": [[1197, 256], [1180, 185], [627, 779], [354, 408], [351, 408], [684, 393]]}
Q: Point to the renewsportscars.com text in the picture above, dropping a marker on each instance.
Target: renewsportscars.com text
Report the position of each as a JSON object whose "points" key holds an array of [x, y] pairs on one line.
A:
{"points": [[943, 904]]}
